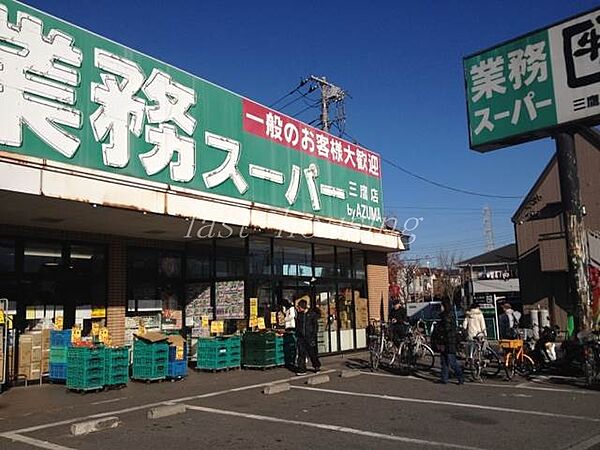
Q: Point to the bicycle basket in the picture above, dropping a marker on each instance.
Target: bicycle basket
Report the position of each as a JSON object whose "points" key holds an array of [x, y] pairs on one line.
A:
{"points": [[510, 343]]}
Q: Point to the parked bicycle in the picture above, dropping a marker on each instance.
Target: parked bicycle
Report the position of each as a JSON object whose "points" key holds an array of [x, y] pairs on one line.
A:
{"points": [[413, 352], [381, 346], [482, 360], [591, 352], [515, 359]]}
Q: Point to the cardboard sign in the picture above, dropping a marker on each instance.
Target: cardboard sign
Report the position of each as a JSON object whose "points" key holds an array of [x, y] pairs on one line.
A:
{"points": [[58, 322], [261, 323], [75, 334]]}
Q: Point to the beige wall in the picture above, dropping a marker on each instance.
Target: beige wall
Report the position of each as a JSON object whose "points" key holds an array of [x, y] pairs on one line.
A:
{"points": [[377, 284]]}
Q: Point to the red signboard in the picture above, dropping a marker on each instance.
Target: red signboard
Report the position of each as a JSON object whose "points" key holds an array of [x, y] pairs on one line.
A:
{"points": [[294, 134]]}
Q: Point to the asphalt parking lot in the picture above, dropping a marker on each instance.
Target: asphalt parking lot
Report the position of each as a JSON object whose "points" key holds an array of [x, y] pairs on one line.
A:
{"points": [[382, 410]]}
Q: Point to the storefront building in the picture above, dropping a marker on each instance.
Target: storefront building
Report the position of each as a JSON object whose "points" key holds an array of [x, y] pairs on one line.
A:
{"points": [[136, 194]]}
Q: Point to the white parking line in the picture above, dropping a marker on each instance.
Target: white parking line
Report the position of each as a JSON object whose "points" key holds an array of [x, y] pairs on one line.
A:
{"points": [[114, 400], [444, 403], [35, 442], [525, 385], [587, 444], [151, 405], [328, 427]]}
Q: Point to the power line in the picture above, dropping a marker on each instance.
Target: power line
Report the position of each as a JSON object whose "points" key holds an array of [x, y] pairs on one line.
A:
{"points": [[436, 183]]}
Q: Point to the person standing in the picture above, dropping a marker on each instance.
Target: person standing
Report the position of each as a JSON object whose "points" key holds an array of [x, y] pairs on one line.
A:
{"points": [[290, 315], [509, 322], [474, 323], [307, 325], [398, 318], [448, 344]]}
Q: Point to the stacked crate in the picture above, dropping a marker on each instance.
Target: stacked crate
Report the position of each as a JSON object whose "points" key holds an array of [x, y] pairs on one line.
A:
{"points": [[116, 363], [60, 341], [85, 368], [150, 360], [218, 353], [260, 350], [177, 367]]}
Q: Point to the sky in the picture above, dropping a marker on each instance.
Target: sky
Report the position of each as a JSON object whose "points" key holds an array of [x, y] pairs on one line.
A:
{"points": [[401, 63]]}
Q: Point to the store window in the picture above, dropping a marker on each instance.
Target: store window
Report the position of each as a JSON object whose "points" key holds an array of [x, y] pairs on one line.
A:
{"points": [[155, 289], [263, 291], [358, 263], [230, 257], [292, 258], [7, 256], [324, 261], [199, 261], [344, 262], [259, 253], [42, 258], [345, 308]]}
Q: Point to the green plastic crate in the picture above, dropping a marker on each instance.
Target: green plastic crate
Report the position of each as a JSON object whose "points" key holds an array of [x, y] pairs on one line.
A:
{"points": [[147, 349], [116, 379], [113, 354], [58, 355], [149, 372]]}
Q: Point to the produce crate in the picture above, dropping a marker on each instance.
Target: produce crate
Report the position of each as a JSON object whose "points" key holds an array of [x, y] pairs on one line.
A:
{"points": [[85, 383], [58, 355], [177, 369], [60, 338], [218, 363], [116, 354], [143, 348], [116, 379], [260, 340], [150, 372], [57, 371], [85, 368]]}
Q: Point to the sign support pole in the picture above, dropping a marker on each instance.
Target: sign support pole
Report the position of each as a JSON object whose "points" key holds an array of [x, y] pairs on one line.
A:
{"points": [[574, 229]]}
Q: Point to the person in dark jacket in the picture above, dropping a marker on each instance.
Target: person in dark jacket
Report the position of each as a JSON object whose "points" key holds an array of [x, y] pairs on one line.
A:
{"points": [[307, 326], [448, 344], [398, 318]]}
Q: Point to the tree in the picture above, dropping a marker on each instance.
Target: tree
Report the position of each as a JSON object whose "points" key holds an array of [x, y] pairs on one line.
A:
{"points": [[402, 273], [449, 279]]}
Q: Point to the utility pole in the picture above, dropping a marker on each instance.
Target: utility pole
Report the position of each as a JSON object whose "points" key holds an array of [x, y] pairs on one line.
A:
{"points": [[331, 94], [579, 292], [488, 229]]}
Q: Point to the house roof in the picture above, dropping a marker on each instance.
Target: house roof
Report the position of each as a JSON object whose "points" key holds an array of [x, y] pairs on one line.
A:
{"points": [[506, 254]]}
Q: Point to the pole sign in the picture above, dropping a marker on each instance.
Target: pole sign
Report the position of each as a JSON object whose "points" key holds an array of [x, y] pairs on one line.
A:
{"points": [[71, 96], [526, 88]]}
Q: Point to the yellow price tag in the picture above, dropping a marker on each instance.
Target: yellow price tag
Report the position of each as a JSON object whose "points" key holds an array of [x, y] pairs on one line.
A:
{"points": [[273, 319], [253, 307], [179, 352], [204, 321], [253, 322], [216, 326], [95, 329], [58, 322], [261, 323]]}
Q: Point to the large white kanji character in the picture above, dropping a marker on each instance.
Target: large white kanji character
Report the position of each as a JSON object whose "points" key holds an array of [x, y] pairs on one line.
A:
{"points": [[516, 67], [290, 132], [361, 159], [374, 195], [336, 150], [374, 164], [172, 102], [308, 142], [121, 112], [274, 125], [36, 85], [536, 63], [364, 192], [228, 169], [322, 145], [487, 77], [349, 156], [166, 142]]}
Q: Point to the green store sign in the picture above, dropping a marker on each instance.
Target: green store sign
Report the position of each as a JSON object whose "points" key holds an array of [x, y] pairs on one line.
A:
{"points": [[527, 88], [71, 96]]}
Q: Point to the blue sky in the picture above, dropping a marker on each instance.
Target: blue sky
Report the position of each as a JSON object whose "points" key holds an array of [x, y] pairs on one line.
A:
{"points": [[401, 61]]}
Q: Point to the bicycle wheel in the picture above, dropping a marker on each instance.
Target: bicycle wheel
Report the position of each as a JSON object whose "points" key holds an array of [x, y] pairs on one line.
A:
{"points": [[509, 365], [375, 355], [424, 358], [525, 367], [475, 365], [491, 364]]}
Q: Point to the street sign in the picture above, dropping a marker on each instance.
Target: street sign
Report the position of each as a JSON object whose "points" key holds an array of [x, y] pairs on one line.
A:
{"points": [[529, 87], [71, 96]]}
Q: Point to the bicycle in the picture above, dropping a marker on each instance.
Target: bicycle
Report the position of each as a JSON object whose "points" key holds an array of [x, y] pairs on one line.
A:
{"points": [[591, 351], [381, 347], [515, 359], [482, 360], [414, 353]]}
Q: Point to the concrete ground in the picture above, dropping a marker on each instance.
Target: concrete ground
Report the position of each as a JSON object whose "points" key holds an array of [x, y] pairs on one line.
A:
{"points": [[380, 411]]}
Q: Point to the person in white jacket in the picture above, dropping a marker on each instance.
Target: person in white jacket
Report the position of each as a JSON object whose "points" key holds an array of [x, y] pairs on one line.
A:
{"points": [[474, 323]]}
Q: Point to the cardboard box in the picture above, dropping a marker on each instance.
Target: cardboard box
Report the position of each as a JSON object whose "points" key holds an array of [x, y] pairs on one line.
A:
{"points": [[152, 336], [25, 350], [46, 338], [36, 354], [45, 366], [36, 339]]}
